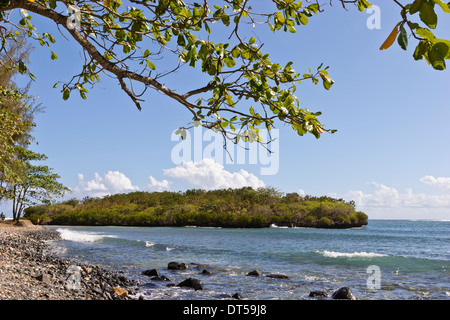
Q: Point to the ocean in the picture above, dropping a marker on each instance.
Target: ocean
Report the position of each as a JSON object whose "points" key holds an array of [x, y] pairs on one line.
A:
{"points": [[385, 260]]}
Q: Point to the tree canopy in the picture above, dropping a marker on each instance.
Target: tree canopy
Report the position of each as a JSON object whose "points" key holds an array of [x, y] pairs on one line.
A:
{"points": [[17, 112], [127, 39], [235, 208], [38, 184]]}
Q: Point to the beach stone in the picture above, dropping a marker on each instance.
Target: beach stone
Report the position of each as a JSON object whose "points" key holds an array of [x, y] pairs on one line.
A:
{"points": [[206, 272], [29, 271], [255, 273], [151, 273], [277, 276], [177, 266], [121, 292], [236, 296], [318, 294], [88, 270], [42, 277], [159, 278], [191, 283], [343, 293]]}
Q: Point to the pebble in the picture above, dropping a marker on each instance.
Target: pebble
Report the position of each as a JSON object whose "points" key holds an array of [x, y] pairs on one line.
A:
{"points": [[29, 272]]}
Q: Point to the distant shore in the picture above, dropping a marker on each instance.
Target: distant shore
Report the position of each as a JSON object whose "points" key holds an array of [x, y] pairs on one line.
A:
{"points": [[227, 208], [29, 272]]}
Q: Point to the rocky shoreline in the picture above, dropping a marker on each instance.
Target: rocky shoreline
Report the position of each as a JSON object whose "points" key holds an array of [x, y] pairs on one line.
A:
{"points": [[29, 272]]}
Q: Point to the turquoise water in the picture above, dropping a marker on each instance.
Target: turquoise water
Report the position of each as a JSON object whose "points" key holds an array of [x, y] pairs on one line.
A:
{"points": [[413, 258]]}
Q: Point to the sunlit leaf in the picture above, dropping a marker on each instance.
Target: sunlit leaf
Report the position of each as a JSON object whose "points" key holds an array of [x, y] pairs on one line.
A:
{"points": [[391, 38]]}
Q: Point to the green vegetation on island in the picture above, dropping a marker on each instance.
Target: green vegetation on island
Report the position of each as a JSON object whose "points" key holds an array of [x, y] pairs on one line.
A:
{"points": [[232, 208]]}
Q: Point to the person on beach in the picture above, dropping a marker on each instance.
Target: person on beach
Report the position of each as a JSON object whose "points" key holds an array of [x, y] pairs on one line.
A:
{"points": [[37, 221], [2, 216]]}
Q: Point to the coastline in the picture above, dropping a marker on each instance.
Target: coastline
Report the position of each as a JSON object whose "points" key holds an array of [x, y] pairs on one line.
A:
{"points": [[29, 272]]}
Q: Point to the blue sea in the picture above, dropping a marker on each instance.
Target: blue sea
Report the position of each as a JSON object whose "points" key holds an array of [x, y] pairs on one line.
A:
{"points": [[387, 259]]}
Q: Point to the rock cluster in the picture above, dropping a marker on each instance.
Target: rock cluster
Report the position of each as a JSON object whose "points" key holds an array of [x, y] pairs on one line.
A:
{"points": [[28, 272]]}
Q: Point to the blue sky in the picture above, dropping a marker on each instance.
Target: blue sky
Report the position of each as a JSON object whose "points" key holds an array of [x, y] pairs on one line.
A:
{"points": [[391, 153]]}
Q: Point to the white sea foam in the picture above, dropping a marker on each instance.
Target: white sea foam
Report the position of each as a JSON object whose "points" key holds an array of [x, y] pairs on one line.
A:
{"points": [[273, 225], [81, 236], [334, 254], [149, 244]]}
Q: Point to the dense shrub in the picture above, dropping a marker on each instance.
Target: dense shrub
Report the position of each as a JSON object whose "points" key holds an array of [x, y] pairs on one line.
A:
{"points": [[243, 207]]}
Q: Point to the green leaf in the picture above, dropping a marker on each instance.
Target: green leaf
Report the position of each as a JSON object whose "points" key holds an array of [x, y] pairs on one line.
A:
{"points": [[444, 47], [427, 34], [225, 19], [421, 49], [236, 52], [151, 65], [326, 80], [66, 93], [403, 38], [22, 67], [427, 15], [415, 6], [146, 53], [291, 29], [435, 58], [363, 5], [443, 5], [181, 41], [303, 19], [229, 62], [54, 56]]}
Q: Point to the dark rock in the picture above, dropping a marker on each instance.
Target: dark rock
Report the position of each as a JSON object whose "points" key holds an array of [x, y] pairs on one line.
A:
{"points": [[236, 296], [206, 272], [191, 283], [177, 266], [151, 273], [42, 277], [183, 266], [159, 278], [256, 273], [343, 293], [277, 276], [318, 294], [199, 265]]}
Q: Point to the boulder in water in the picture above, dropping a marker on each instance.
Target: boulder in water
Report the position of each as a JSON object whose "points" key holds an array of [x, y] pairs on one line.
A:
{"points": [[191, 283], [277, 276], [177, 266], [255, 273], [151, 273], [343, 293]]}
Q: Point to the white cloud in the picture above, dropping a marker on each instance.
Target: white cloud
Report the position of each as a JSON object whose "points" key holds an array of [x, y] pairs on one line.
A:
{"points": [[112, 182], [390, 197], [387, 202], [208, 174], [156, 185], [441, 182]]}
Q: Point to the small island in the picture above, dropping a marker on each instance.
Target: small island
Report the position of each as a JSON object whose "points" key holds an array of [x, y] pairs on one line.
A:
{"points": [[227, 208]]}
